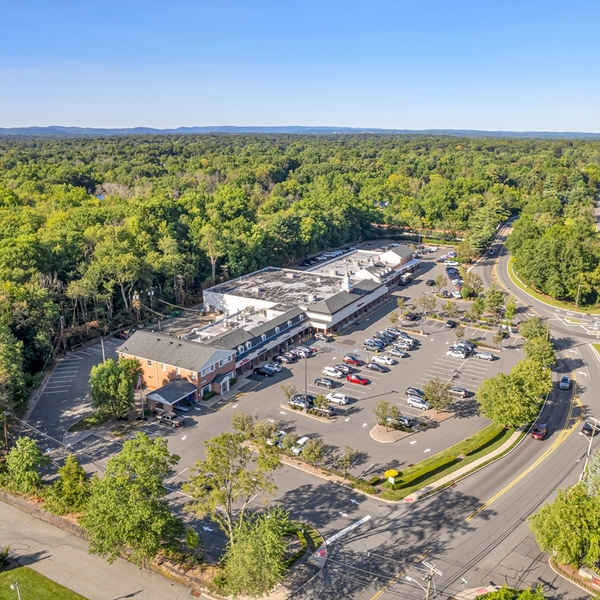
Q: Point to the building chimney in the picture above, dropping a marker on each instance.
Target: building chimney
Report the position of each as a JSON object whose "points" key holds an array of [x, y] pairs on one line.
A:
{"points": [[346, 283]]}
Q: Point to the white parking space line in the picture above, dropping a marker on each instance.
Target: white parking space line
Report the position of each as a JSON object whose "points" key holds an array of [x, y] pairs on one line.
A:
{"points": [[56, 391], [71, 357]]}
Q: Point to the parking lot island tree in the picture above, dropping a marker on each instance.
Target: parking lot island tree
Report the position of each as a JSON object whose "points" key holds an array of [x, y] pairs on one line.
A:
{"points": [[386, 414], [264, 430], [113, 386], [288, 391], [313, 451], [255, 564], [222, 485], [498, 338], [23, 464], [400, 303], [441, 281], [437, 393], [472, 284], [394, 317], [533, 328], [451, 309], [428, 303], [541, 350], [244, 423], [321, 402], [459, 331], [511, 308], [494, 302], [127, 512], [346, 459]]}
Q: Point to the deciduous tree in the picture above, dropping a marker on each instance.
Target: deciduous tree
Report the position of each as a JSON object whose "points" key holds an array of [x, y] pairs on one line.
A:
{"points": [[222, 485], [127, 511], [437, 393], [23, 464]]}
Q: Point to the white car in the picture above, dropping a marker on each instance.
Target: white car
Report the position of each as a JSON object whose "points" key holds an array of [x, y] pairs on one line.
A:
{"points": [[456, 354], [404, 344], [299, 445], [397, 352], [433, 249], [484, 355], [276, 440], [394, 245], [383, 360], [417, 402], [337, 398], [332, 372], [456, 294], [273, 367]]}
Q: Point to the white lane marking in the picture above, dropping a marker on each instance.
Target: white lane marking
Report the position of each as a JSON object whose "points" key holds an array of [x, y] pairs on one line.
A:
{"points": [[282, 412], [354, 501], [343, 514], [414, 442], [184, 438], [176, 476], [427, 450], [234, 406], [206, 528], [365, 424], [271, 420], [347, 419]]}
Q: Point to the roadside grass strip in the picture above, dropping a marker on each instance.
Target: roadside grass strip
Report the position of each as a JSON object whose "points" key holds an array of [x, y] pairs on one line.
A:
{"points": [[546, 299], [90, 422], [33, 585], [447, 461]]}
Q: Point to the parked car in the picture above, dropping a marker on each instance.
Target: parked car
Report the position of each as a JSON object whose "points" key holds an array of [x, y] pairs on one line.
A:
{"points": [[375, 342], [452, 254], [410, 317], [262, 371], [299, 445], [301, 400], [466, 343], [383, 360], [291, 357], [273, 367], [402, 421], [450, 324], [375, 367], [326, 411], [413, 391], [404, 344], [491, 252], [332, 372], [446, 294], [565, 383], [323, 337], [354, 378], [283, 360], [345, 369], [170, 418], [484, 355], [276, 439], [459, 391], [463, 347], [370, 347], [456, 295], [325, 382], [398, 352], [451, 263], [430, 282], [456, 353], [417, 402], [337, 398], [352, 360], [539, 432]]}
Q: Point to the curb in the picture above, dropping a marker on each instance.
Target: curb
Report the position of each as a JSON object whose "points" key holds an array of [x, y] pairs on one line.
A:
{"points": [[588, 591], [305, 414]]}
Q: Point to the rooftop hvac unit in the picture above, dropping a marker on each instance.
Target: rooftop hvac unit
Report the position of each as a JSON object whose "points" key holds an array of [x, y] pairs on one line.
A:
{"points": [[291, 275], [312, 297], [318, 280], [257, 289]]}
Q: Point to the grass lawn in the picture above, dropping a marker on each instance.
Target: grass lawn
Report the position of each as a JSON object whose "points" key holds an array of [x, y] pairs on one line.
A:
{"points": [[547, 299], [492, 437], [94, 420], [33, 585], [596, 347]]}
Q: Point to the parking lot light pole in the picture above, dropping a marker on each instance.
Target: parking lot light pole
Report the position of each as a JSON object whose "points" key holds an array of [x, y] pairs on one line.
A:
{"points": [[589, 450], [409, 578], [305, 377]]}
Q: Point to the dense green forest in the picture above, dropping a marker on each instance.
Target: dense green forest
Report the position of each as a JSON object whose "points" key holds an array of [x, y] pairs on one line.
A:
{"points": [[88, 222]]}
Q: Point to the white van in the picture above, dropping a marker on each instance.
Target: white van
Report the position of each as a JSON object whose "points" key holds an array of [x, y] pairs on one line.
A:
{"points": [[406, 278]]}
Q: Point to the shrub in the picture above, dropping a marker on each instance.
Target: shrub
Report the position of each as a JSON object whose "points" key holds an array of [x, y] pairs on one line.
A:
{"points": [[208, 395], [375, 480]]}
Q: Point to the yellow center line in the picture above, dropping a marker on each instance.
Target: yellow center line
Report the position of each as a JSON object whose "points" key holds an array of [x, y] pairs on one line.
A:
{"points": [[564, 434], [395, 579]]}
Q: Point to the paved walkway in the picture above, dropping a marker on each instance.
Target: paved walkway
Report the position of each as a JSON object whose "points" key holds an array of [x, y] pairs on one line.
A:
{"points": [[462, 472], [63, 557]]}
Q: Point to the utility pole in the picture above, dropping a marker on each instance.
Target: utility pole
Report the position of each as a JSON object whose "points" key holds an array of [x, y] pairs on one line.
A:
{"points": [[432, 571], [305, 379], [578, 291], [103, 355]]}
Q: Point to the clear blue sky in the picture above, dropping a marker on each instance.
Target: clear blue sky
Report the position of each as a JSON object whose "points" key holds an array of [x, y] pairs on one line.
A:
{"points": [[476, 64]]}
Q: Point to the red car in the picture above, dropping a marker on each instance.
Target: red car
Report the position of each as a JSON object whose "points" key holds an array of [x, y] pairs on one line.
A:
{"points": [[350, 360], [352, 378], [540, 431]]}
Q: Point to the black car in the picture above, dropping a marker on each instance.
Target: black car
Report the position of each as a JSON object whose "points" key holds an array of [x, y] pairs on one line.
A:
{"points": [[589, 429], [446, 294], [302, 401], [323, 337], [411, 317], [305, 263], [262, 371], [430, 282], [377, 367], [412, 391], [325, 382], [450, 324]]}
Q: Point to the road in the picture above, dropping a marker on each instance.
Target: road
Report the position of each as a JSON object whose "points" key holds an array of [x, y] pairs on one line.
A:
{"points": [[477, 530]]}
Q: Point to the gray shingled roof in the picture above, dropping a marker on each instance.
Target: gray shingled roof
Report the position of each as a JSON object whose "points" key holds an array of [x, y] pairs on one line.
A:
{"points": [[184, 354], [342, 299], [173, 392], [234, 338], [402, 251]]}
